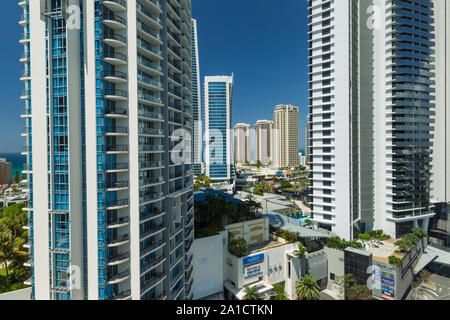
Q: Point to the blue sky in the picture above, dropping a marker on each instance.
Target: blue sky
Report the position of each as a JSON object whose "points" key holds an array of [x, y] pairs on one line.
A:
{"points": [[264, 42]]}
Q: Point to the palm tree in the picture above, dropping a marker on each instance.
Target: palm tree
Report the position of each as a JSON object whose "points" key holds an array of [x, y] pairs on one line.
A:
{"points": [[251, 293], [307, 288], [301, 250], [6, 246]]}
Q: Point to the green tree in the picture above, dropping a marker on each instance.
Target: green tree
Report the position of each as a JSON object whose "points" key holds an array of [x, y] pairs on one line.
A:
{"points": [[352, 290], [251, 293], [280, 293], [238, 247], [16, 177], [202, 182], [307, 288], [419, 233], [258, 164]]}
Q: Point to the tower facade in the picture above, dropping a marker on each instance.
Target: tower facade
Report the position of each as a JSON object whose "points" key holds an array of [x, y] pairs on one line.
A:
{"points": [[242, 143], [108, 100], [264, 141], [218, 133]]}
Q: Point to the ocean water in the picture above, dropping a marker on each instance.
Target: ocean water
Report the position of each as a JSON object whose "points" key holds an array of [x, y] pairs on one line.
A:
{"points": [[17, 160]]}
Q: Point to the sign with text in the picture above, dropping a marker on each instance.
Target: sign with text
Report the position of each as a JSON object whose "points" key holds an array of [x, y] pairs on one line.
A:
{"points": [[253, 259]]}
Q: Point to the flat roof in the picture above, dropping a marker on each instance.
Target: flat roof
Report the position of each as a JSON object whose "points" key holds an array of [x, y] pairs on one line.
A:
{"points": [[381, 250], [277, 220], [266, 245]]}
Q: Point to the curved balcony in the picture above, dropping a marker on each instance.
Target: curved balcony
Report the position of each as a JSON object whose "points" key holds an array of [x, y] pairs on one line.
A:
{"points": [[116, 131], [123, 295], [151, 198], [118, 222], [155, 116], [25, 76], [115, 58], [115, 22], [153, 263], [147, 182], [119, 277], [152, 231], [151, 148], [117, 204], [116, 113], [115, 76], [151, 214], [117, 167], [151, 165], [157, 278], [146, 98], [26, 94], [148, 17], [151, 132], [24, 38], [118, 241], [188, 262], [152, 247], [119, 259], [117, 148], [115, 40], [188, 245], [115, 5], [117, 185], [116, 95]]}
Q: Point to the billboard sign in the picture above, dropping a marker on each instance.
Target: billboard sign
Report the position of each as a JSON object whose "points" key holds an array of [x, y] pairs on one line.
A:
{"points": [[253, 260]]}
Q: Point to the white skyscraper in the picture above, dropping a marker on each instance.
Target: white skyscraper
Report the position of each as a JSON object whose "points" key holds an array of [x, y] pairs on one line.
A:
{"points": [[197, 141], [218, 153], [371, 104], [333, 123], [242, 143], [108, 98], [440, 227], [264, 141]]}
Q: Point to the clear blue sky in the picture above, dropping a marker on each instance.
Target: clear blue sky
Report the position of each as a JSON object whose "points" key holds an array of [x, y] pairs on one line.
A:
{"points": [[264, 42]]}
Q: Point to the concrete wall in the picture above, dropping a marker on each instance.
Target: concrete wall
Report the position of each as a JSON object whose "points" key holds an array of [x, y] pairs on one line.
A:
{"points": [[336, 266], [254, 231], [208, 261]]}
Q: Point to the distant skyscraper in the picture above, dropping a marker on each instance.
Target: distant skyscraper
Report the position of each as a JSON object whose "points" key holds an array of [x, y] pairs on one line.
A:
{"points": [[218, 153], [440, 227], [242, 143], [264, 141], [5, 172], [197, 141], [286, 136], [111, 208]]}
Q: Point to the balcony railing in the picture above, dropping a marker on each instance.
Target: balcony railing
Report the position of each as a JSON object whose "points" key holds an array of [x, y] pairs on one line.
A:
{"points": [[120, 257], [152, 246], [119, 239], [152, 230], [157, 277], [118, 276], [151, 263], [117, 203], [118, 221]]}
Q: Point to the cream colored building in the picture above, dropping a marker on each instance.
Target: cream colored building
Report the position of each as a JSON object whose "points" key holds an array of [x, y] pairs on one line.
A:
{"points": [[264, 141], [286, 136], [242, 143]]}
